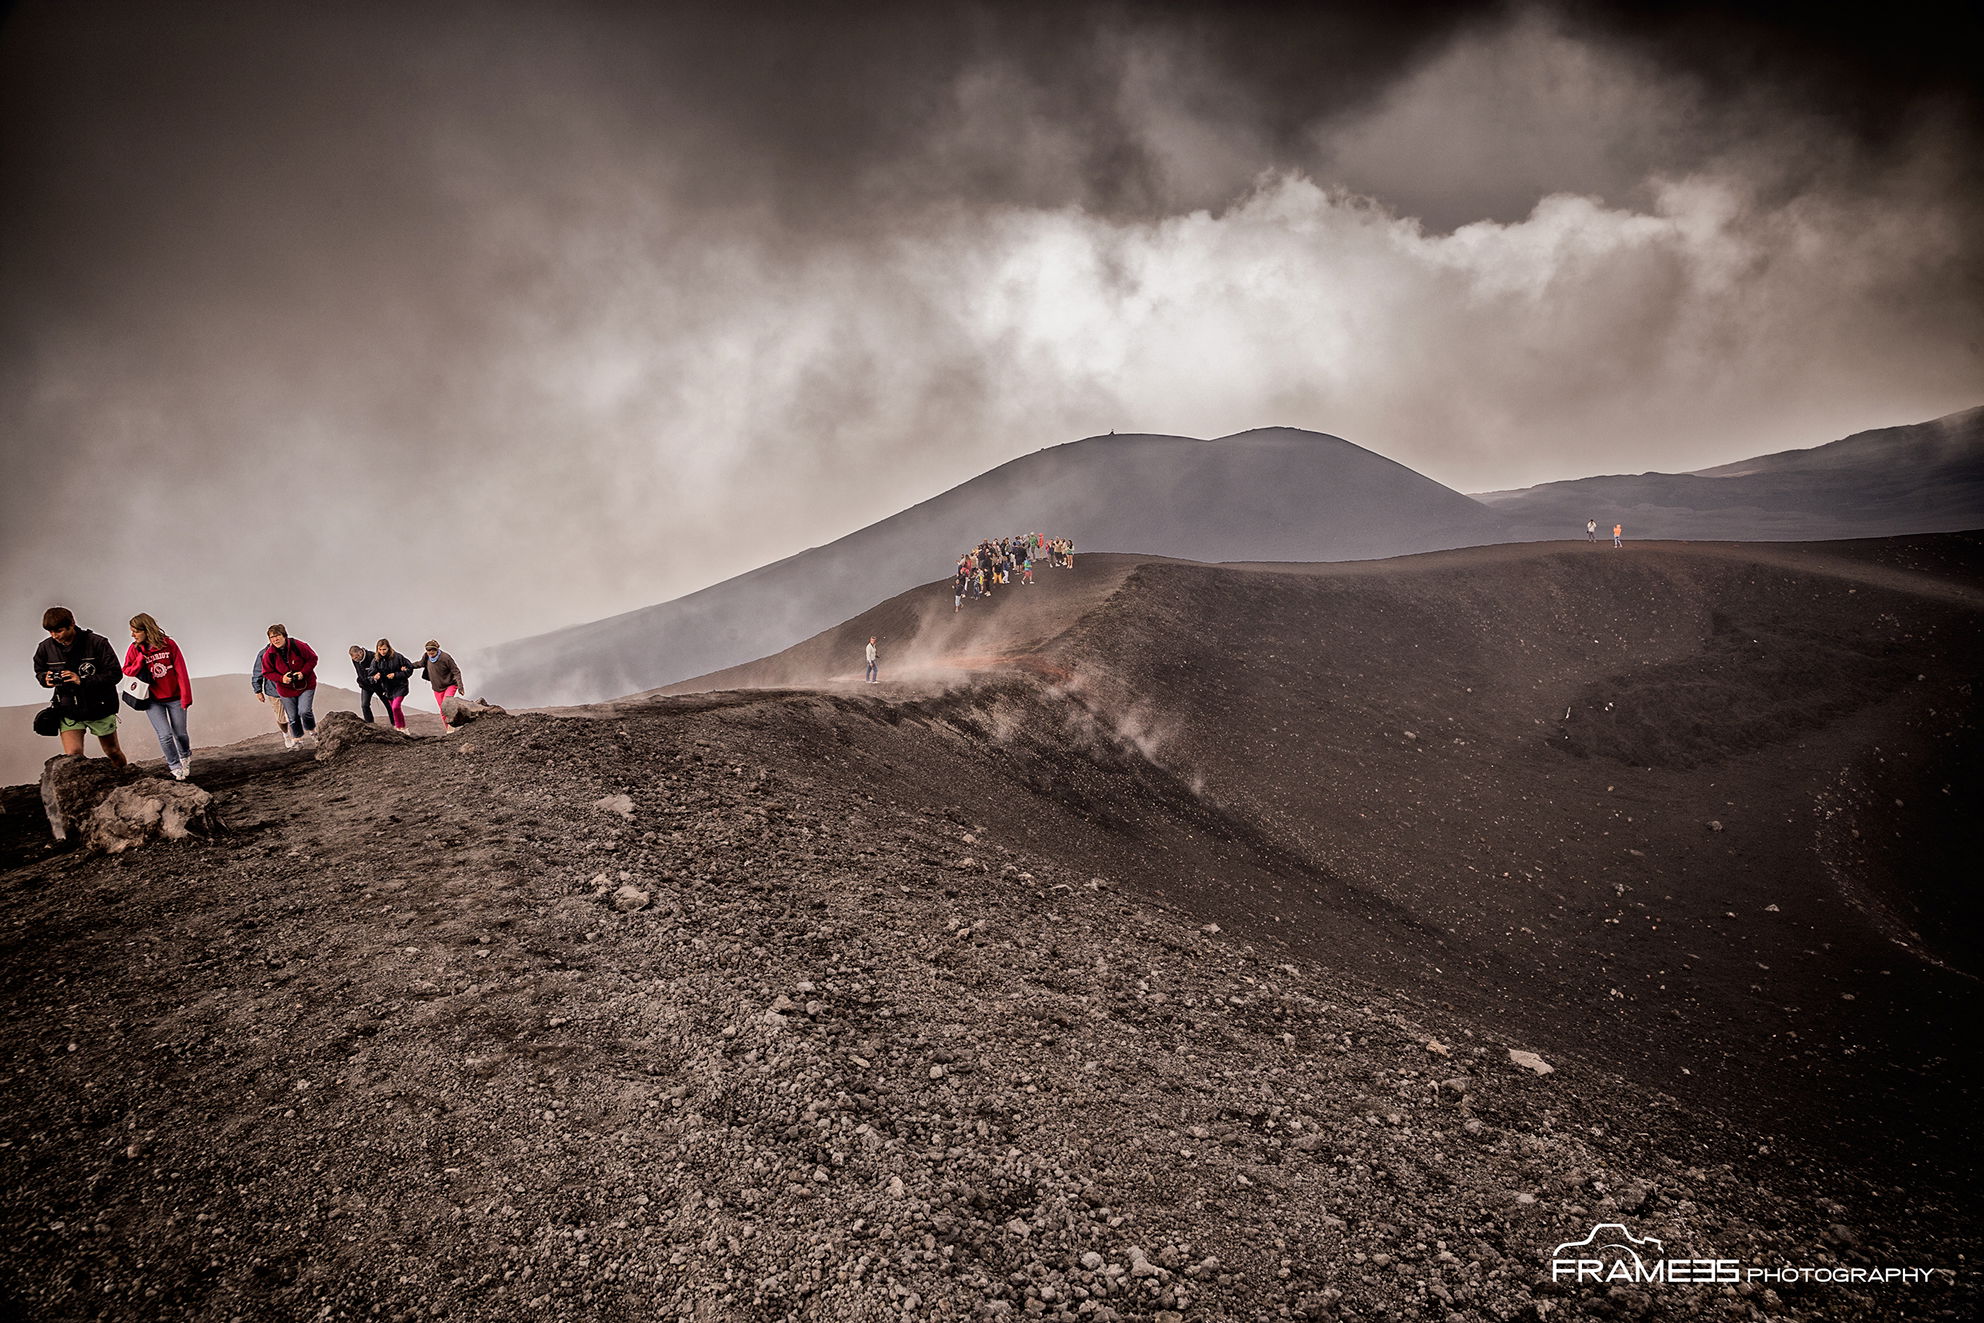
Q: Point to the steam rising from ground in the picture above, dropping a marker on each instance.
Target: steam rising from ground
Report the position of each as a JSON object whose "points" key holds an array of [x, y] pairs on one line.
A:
{"points": [[536, 346]]}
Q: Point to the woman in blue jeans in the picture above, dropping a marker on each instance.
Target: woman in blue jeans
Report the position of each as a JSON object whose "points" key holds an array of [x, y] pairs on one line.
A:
{"points": [[290, 665], [156, 659]]}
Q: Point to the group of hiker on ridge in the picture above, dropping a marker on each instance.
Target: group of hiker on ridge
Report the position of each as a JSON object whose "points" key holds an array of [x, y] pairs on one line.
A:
{"points": [[1591, 533], [82, 668], [1009, 560], [286, 671], [387, 676]]}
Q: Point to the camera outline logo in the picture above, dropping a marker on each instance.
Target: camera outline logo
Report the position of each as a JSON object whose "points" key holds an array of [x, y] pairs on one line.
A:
{"points": [[1624, 1241]]}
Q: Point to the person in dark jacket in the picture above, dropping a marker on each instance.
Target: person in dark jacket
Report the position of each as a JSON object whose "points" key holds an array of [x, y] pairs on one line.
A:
{"points": [[444, 675], [361, 671], [83, 670], [290, 666], [265, 690], [393, 674]]}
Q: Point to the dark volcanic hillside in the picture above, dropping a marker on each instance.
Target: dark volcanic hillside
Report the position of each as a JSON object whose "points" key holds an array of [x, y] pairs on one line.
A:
{"points": [[1272, 494], [1925, 478], [1563, 781], [1153, 950]]}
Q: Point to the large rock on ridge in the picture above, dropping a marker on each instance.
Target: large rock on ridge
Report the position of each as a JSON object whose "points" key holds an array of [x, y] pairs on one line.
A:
{"points": [[73, 785], [150, 808]]}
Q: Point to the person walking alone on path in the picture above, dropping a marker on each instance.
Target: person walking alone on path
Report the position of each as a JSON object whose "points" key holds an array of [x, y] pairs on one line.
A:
{"points": [[154, 658], [1591, 530], [871, 676], [445, 676], [1618, 536], [81, 667], [290, 666], [394, 676]]}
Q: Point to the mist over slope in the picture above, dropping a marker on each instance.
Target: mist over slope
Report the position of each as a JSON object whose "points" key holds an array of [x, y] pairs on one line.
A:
{"points": [[1922, 478], [1274, 493]]}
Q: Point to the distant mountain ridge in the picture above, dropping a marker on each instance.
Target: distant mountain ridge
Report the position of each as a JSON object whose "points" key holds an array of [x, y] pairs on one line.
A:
{"points": [[1888, 482], [1274, 493], [1270, 494], [1953, 439]]}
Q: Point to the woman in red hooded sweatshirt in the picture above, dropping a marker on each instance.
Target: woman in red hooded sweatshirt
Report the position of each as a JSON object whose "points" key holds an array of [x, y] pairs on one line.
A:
{"points": [[156, 659], [290, 667]]}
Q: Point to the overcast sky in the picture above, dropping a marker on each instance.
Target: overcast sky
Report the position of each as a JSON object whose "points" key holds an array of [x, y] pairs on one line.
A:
{"points": [[480, 319]]}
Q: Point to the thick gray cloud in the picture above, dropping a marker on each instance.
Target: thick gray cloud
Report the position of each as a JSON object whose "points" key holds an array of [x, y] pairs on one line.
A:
{"points": [[477, 320]]}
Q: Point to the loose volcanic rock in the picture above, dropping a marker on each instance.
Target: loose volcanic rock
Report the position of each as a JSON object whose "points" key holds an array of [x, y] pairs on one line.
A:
{"points": [[459, 711], [72, 786], [338, 732], [1530, 1061], [150, 809]]}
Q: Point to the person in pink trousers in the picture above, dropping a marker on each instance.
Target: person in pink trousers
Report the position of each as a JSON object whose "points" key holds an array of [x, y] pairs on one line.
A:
{"points": [[444, 675], [393, 674]]}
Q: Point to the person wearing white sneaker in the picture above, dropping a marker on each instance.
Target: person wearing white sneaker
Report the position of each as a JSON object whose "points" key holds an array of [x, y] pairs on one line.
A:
{"points": [[870, 677], [156, 659], [265, 690], [290, 665]]}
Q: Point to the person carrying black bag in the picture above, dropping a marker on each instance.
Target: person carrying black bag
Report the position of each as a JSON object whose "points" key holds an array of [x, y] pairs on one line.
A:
{"points": [[83, 670]]}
